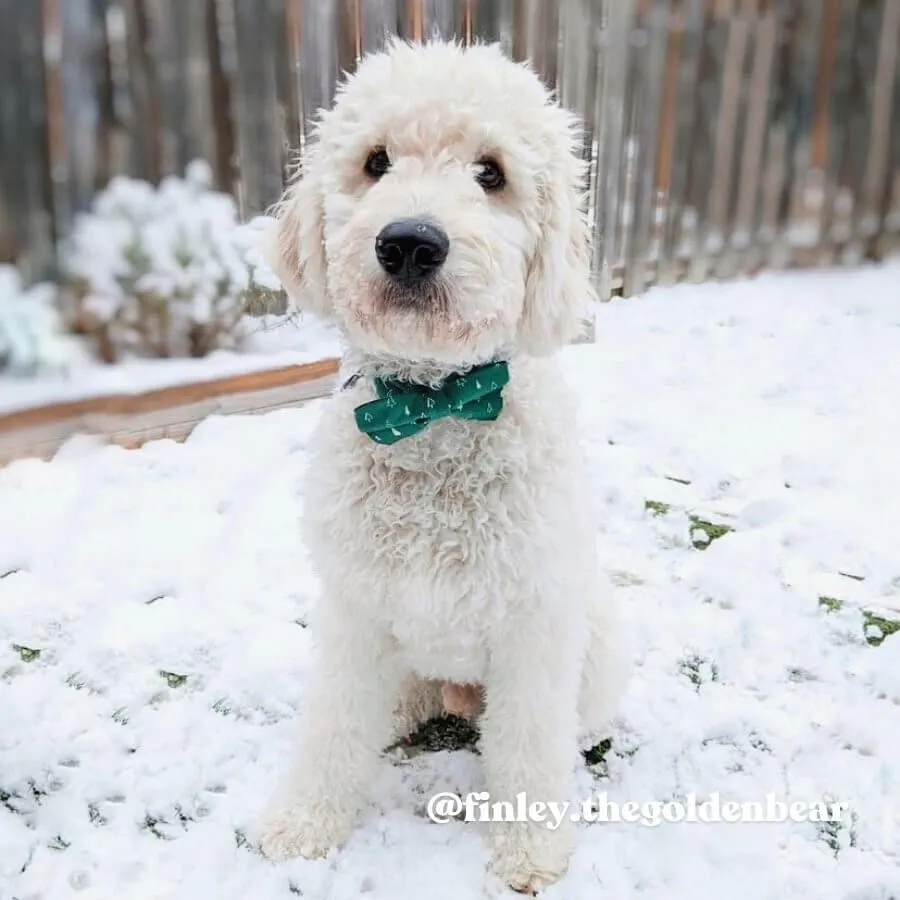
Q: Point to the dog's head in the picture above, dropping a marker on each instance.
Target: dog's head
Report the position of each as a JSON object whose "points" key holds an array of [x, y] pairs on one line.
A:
{"points": [[437, 210]]}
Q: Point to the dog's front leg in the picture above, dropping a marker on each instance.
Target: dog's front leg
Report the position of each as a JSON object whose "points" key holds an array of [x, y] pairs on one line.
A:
{"points": [[529, 735], [346, 724]]}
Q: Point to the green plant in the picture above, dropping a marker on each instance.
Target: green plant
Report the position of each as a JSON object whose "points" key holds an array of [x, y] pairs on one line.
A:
{"points": [[164, 271]]}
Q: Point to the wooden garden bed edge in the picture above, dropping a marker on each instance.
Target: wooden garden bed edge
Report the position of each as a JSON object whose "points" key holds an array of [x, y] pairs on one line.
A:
{"points": [[172, 396], [131, 420]]}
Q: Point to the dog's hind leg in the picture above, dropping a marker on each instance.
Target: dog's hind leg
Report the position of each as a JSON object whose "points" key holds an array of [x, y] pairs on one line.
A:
{"points": [[418, 701], [604, 673]]}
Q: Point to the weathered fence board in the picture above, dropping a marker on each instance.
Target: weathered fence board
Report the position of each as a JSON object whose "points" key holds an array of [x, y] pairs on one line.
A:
{"points": [[724, 136]]}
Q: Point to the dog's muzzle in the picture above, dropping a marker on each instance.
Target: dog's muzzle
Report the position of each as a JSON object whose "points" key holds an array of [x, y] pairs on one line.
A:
{"points": [[411, 250]]}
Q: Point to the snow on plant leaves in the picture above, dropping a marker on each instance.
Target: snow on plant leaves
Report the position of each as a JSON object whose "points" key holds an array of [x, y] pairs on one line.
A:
{"points": [[32, 335], [165, 271]]}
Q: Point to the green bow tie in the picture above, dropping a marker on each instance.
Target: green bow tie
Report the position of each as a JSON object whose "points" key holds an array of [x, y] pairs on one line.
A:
{"points": [[404, 409]]}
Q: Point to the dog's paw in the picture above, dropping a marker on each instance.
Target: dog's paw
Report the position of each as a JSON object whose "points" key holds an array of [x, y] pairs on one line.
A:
{"points": [[529, 858], [287, 834]]}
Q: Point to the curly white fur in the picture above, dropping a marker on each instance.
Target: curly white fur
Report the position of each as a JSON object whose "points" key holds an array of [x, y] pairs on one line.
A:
{"points": [[465, 553]]}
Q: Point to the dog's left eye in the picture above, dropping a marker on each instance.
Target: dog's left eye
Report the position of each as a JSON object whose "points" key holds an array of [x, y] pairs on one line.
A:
{"points": [[377, 163], [489, 174]]}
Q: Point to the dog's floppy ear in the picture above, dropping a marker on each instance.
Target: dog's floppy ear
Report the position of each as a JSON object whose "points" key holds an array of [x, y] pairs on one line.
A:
{"points": [[558, 287], [295, 246]]}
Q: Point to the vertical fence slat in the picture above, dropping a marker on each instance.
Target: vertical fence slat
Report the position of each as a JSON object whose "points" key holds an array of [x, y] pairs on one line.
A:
{"points": [[319, 65], [218, 51], [144, 116], [577, 57], [58, 26], [698, 239], [495, 21], [876, 173], [255, 103], [650, 58], [536, 37], [9, 237], [689, 23], [609, 114], [802, 200], [26, 217], [746, 218], [729, 135], [837, 207], [859, 121], [378, 21], [890, 238], [775, 171]]}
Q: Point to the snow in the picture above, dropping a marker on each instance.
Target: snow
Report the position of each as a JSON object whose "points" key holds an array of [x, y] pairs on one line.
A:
{"points": [[179, 247], [270, 342], [32, 337], [153, 658]]}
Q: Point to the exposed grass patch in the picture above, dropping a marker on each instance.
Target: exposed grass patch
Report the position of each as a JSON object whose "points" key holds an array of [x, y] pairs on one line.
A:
{"points": [[81, 682], [598, 757], [161, 827], [6, 801], [877, 628], [24, 800], [152, 825], [241, 840], [173, 679], [698, 670], [96, 817], [704, 532], [27, 654], [838, 835], [597, 754], [445, 733], [223, 707], [830, 604]]}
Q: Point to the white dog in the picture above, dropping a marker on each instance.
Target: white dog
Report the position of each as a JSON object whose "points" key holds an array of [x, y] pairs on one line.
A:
{"points": [[438, 222]]}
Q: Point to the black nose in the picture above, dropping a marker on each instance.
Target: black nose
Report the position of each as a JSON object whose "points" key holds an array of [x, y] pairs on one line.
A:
{"points": [[409, 250]]}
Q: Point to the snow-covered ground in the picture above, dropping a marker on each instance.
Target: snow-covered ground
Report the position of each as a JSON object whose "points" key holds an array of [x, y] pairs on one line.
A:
{"points": [[153, 654], [270, 342]]}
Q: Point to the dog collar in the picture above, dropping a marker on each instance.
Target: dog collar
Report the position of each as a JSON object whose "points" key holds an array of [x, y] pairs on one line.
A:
{"points": [[404, 408]]}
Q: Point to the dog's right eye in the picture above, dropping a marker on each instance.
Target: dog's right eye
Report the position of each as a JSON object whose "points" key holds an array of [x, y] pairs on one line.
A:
{"points": [[377, 163]]}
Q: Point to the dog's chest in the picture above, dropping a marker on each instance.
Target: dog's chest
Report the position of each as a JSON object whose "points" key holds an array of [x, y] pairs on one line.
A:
{"points": [[443, 537], [446, 534], [443, 514]]}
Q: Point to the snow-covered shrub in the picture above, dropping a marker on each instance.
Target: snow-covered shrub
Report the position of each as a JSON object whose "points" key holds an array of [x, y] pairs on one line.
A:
{"points": [[32, 335], [164, 271]]}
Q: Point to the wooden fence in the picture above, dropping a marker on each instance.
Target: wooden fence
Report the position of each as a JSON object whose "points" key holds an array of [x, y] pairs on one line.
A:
{"points": [[724, 135]]}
